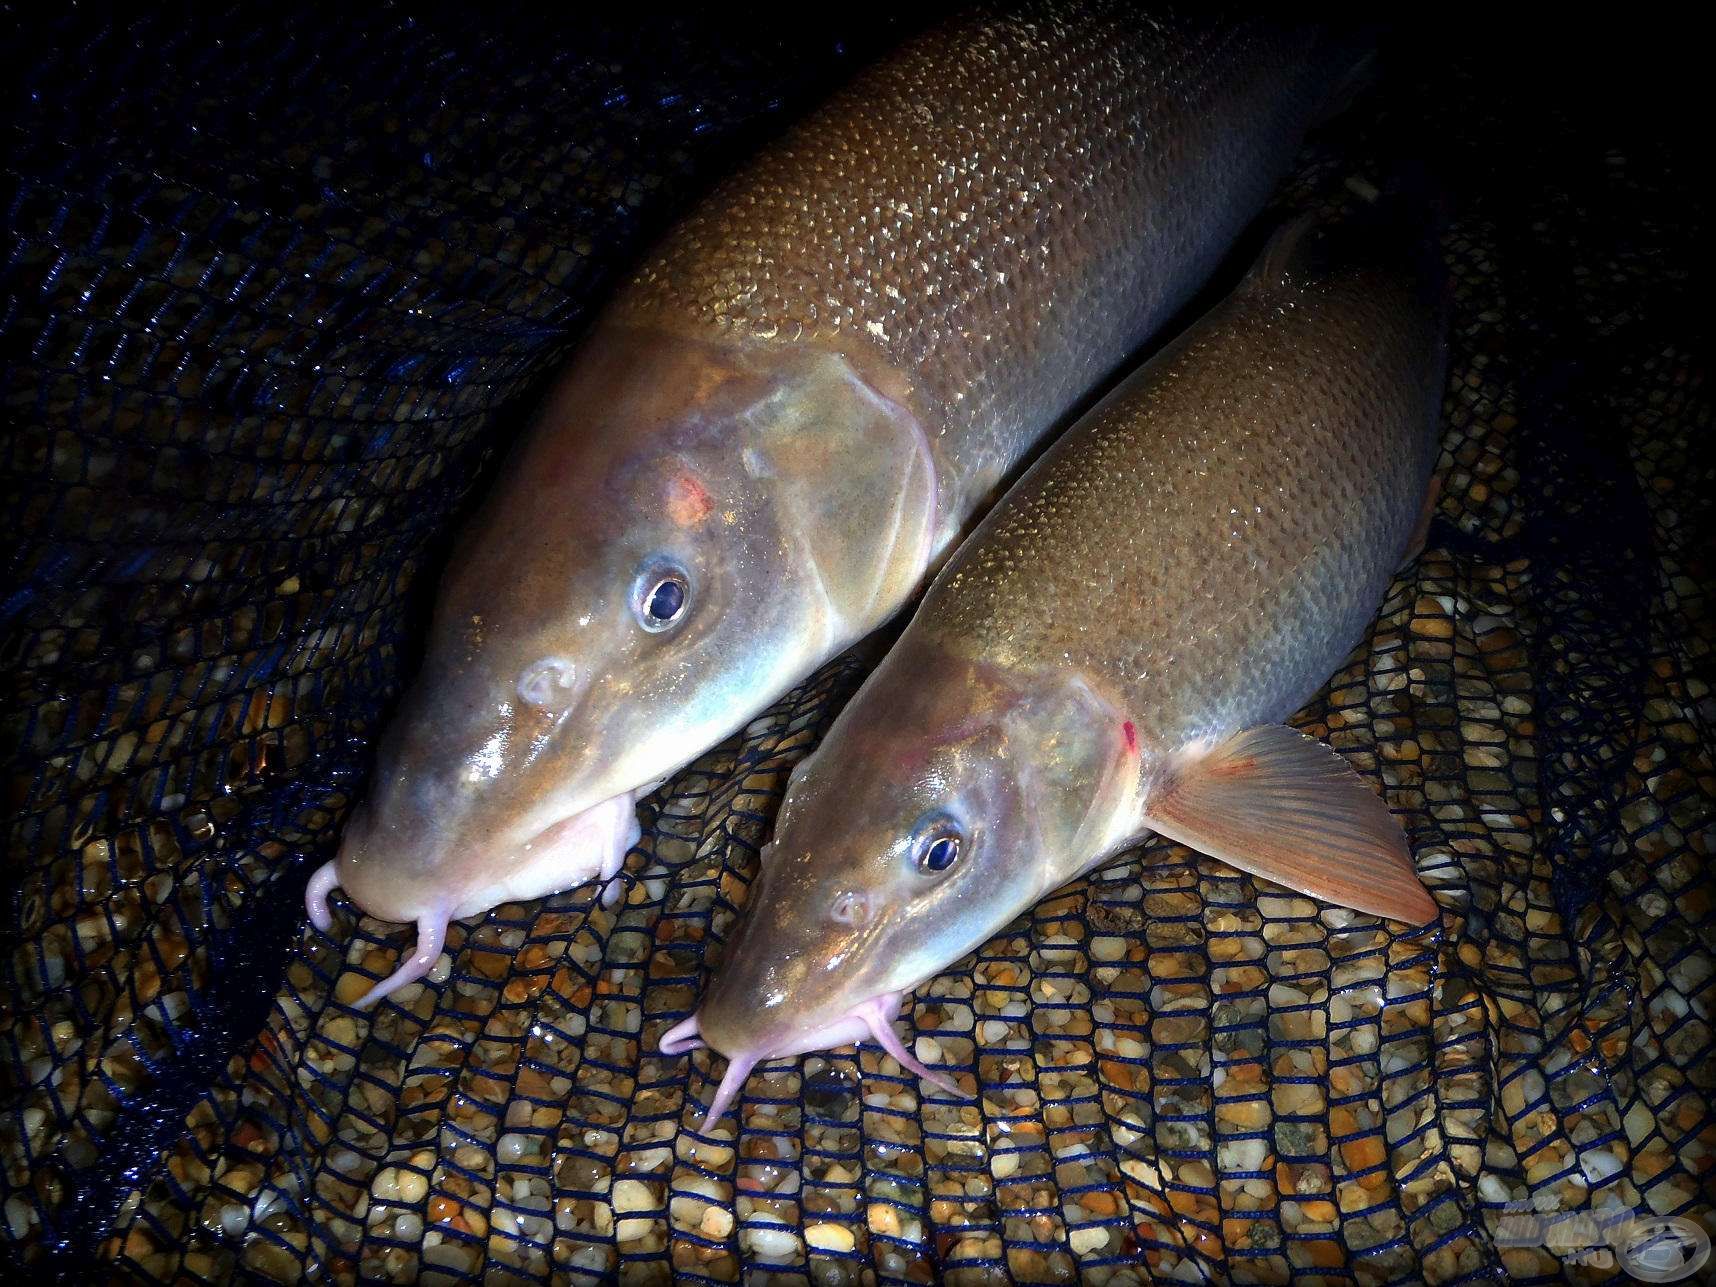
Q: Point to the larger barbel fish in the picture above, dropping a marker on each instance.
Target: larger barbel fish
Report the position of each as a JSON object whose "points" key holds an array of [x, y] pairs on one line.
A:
{"points": [[787, 417], [1114, 652]]}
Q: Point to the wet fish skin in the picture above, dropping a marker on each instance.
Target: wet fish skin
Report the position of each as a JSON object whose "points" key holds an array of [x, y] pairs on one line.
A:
{"points": [[797, 404], [1128, 628], [1004, 209]]}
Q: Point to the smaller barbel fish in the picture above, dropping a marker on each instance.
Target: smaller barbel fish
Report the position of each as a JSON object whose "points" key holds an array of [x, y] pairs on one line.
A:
{"points": [[1113, 653]]}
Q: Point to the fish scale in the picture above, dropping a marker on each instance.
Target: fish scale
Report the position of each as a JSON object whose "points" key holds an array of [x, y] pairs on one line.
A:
{"points": [[1247, 495], [1003, 210]]}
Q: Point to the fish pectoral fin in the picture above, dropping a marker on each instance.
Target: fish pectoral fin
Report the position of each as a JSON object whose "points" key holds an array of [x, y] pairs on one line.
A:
{"points": [[1281, 805]]}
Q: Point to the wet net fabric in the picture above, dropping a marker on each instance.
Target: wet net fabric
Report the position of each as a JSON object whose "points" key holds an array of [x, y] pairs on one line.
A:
{"points": [[273, 292]]}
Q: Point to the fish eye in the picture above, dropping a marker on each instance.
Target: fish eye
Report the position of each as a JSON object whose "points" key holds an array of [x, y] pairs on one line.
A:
{"points": [[663, 594], [939, 849]]}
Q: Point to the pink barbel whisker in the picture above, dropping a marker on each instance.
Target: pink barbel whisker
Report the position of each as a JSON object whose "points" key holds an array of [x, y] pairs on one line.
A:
{"points": [[881, 1024], [732, 1081], [316, 895], [431, 935], [683, 1037]]}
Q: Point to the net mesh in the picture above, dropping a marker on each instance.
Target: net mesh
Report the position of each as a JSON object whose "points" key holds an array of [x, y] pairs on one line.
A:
{"points": [[274, 289]]}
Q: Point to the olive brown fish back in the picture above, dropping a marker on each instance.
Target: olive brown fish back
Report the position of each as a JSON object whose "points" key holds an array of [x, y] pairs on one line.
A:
{"points": [[1246, 494], [1006, 208], [271, 285]]}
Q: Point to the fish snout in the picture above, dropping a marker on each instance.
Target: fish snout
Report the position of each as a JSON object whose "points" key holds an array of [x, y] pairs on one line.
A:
{"points": [[385, 894], [732, 1021], [746, 1019], [787, 969], [376, 880]]}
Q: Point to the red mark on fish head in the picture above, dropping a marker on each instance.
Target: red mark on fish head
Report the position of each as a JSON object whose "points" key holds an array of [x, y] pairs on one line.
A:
{"points": [[1131, 732], [930, 740], [688, 500], [912, 760]]}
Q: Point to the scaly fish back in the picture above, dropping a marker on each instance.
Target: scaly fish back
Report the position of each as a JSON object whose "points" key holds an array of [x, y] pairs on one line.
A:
{"points": [[1210, 541], [1002, 210]]}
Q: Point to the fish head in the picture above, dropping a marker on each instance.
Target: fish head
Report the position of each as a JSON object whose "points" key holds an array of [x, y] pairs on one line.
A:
{"points": [[945, 799], [696, 529]]}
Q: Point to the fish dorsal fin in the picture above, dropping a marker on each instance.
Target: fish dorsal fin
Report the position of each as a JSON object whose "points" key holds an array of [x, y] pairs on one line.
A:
{"points": [[1278, 254], [1281, 805]]}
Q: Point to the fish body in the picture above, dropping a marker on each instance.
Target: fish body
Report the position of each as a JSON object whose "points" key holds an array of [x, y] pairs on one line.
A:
{"points": [[1114, 652], [785, 419]]}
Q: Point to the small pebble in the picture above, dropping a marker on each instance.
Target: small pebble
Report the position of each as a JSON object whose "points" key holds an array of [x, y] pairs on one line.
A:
{"points": [[882, 1219], [1087, 1239], [385, 1186], [717, 1223], [830, 1237], [769, 1239], [350, 986], [1599, 1165]]}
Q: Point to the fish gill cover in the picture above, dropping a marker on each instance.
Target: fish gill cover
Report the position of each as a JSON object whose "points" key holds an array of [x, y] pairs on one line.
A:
{"points": [[273, 290]]}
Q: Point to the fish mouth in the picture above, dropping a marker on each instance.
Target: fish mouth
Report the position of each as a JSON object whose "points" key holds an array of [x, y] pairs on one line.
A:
{"points": [[872, 1018], [588, 843]]}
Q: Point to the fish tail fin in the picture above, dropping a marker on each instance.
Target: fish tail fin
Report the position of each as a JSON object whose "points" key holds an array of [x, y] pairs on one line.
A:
{"points": [[1404, 219], [1395, 227], [1363, 72], [1282, 252]]}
